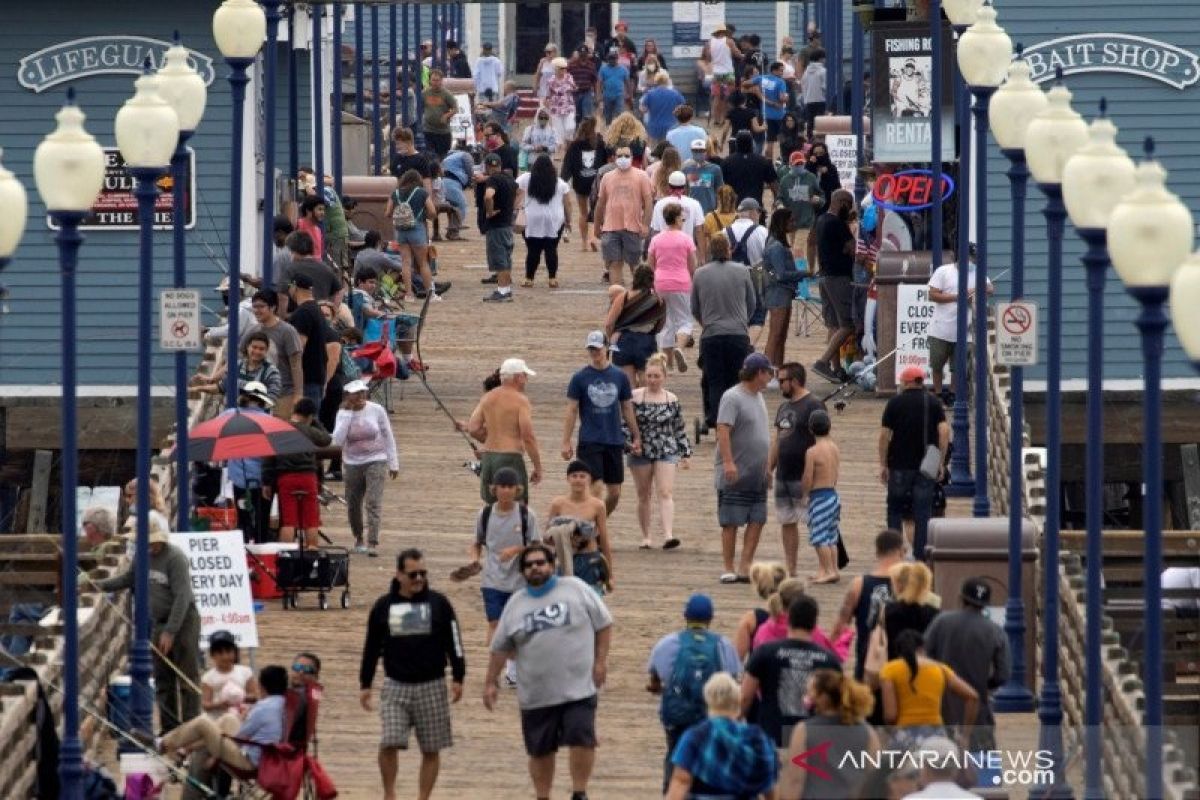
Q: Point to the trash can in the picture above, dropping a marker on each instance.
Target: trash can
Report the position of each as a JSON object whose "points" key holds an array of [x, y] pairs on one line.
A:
{"points": [[902, 324], [967, 547], [372, 193]]}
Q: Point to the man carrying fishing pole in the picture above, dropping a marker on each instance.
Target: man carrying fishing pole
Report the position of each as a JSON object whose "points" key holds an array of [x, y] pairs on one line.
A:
{"points": [[943, 328], [503, 421]]}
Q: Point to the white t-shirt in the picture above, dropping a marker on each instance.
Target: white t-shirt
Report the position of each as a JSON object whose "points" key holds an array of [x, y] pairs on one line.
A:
{"points": [[755, 244], [944, 324], [543, 220], [721, 55], [227, 686], [1181, 578], [693, 214]]}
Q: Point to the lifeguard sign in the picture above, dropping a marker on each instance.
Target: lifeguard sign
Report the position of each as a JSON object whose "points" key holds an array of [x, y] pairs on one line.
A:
{"points": [[909, 190]]}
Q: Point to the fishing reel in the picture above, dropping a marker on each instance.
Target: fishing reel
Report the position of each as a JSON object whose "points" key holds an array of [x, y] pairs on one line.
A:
{"points": [[475, 467]]}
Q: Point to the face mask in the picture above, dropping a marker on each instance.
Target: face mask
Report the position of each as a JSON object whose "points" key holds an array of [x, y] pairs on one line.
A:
{"points": [[699, 158], [624, 162]]}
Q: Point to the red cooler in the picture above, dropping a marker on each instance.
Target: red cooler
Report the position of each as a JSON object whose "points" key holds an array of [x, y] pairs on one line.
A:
{"points": [[261, 560]]}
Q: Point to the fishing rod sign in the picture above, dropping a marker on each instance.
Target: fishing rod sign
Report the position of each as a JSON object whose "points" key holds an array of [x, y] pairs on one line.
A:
{"points": [[220, 584]]}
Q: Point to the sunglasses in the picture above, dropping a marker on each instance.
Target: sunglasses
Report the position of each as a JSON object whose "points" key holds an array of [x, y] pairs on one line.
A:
{"points": [[541, 562], [306, 669], [417, 573]]}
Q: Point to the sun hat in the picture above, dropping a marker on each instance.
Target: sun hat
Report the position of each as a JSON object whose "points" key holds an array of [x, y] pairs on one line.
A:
{"points": [[258, 391]]}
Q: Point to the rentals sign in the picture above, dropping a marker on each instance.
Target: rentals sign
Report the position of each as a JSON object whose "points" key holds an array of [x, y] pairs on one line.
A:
{"points": [[100, 55], [1114, 52]]}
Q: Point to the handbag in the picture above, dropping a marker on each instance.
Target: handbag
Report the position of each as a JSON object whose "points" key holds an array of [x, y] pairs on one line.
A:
{"points": [[877, 649], [931, 461]]}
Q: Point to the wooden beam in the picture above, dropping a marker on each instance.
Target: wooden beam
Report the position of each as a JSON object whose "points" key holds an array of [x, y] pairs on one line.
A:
{"points": [[40, 492]]}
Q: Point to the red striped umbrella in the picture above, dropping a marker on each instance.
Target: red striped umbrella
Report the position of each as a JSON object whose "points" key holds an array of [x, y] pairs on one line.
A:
{"points": [[237, 434]]}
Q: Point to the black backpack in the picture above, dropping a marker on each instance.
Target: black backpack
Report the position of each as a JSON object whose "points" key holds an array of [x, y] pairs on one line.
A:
{"points": [[486, 516]]}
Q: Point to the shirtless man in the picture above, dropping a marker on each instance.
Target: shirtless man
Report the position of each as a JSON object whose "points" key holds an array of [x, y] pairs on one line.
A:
{"points": [[585, 508], [821, 464], [503, 421]]}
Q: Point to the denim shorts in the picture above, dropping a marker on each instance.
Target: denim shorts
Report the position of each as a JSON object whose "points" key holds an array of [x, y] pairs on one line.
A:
{"points": [[494, 601], [417, 235], [642, 461]]}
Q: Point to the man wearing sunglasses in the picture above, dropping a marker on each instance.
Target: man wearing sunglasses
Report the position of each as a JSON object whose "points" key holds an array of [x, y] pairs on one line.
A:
{"points": [[558, 630], [416, 632]]}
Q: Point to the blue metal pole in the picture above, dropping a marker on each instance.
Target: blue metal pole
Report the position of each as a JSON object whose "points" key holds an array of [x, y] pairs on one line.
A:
{"points": [[270, 61], [961, 484], [982, 506], [358, 60], [392, 68], [237, 86], [856, 103], [140, 662], [320, 100], [70, 754], [435, 10], [335, 116], [418, 125], [804, 12], [376, 134], [1014, 696], [935, 132], [1152, 323], [1050, 713], [293, 96], [402, 66], [1097, 262], [183, 476]]}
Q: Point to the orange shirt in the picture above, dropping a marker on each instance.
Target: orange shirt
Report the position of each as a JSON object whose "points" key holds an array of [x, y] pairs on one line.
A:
{"points": [[628, 199]]}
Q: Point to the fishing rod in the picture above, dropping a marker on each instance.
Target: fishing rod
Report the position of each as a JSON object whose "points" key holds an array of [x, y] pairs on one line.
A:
{"points": [[425, 381]]}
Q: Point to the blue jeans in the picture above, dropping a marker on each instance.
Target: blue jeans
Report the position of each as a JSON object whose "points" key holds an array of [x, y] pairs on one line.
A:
{"points": [[314, 392], [613, 106], [585, 106], [909, 491], [455, 197]]}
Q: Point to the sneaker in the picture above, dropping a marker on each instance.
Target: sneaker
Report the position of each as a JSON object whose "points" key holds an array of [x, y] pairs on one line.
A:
{"points": [[372, 553], [489, 279], [360, 548], [441, 287], [823, 369], [334, 475], [680, 361], [499, 297], [579, 796]]}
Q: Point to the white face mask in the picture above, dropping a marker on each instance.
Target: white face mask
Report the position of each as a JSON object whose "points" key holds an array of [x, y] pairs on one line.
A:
{"points": [[624, 162]]}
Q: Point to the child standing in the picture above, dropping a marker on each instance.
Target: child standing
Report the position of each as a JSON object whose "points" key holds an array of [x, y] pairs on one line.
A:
{"points": [[503, 529], [819, 483]]}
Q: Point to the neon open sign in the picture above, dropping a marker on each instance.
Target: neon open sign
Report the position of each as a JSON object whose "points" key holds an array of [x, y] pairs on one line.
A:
{"points": [[909, 190]]}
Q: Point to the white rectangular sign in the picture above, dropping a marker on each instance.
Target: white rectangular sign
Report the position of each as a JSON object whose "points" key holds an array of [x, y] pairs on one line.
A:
{"points": [[179, 319], [843, 151], [461, 125], [914, 312], [220, 584], [1016, 334]]}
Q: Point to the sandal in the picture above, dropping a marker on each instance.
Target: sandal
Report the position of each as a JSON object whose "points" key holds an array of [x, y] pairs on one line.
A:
{"points": [[671, 544], [553, 283], [526, 284]]}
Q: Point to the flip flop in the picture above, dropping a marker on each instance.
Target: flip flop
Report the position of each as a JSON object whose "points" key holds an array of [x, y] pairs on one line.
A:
{"points": [[466, 571], [729, 577], [671, 544]]}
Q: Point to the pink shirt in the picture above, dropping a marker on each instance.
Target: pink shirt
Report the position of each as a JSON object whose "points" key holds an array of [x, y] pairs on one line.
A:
{"points": [[776, 628], [628, 199], [318, 236], [671, 249]]}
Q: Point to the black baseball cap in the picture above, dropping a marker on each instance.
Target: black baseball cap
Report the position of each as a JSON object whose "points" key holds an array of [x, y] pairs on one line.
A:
{"points": [[578, 465], [975, 592]]}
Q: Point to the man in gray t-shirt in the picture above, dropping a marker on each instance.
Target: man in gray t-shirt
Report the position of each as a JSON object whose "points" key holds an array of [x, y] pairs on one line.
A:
{"points": [[723, 300], [558, 630], [285, 350], [740, 473]]}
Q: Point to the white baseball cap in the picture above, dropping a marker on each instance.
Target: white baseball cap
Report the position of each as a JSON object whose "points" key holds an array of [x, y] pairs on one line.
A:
{"points": [[596, 339], [354, 387], [515, 366], [677, 178], [699, 144]]}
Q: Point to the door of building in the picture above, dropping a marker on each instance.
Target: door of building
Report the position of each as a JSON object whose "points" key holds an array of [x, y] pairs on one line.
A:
{"points": [[535, 23]]}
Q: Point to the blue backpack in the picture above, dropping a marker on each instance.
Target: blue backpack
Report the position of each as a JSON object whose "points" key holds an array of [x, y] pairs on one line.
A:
{"points": [[683, 693]]}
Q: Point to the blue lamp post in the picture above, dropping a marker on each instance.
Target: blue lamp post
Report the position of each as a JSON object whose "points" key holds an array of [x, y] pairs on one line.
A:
{"points": [[1015, 103], [392, 71], [271, 9], [984, 53], [376, 135], [293, 62], [402, 67], [936, 160], [68, 168], [962, 14], [12, 222], [359, 36], [239, 27], [1094, 181], [1053, 136], [183, 88], [147, 131], [335, 116], [320, 100], [1149, 237]]}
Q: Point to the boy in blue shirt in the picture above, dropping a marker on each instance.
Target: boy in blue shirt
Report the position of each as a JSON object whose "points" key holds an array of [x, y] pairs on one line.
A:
{"points": [[772, 88], [614, 79]]}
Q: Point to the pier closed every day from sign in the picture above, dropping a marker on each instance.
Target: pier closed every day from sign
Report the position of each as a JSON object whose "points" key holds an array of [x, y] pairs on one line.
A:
{"points": [[220, 583]]}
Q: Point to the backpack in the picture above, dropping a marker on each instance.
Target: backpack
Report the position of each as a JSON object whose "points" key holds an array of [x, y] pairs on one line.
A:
{"points": [[403, 217], [683, 693], [741, 252], [486, 516]]}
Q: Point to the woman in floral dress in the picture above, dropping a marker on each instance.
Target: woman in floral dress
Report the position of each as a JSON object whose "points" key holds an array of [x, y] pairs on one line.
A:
{"points": [[665, 444], [560, 101]]}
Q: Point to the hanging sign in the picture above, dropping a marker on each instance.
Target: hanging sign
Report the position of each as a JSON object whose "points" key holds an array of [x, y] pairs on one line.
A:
{"points": [[220, 584], [100, 55], [902, 93], [1113, 52], [115, 208], [909, 190]]}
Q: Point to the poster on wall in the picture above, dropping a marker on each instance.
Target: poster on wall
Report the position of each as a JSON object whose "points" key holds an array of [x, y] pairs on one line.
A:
{"points": [[902, 93], [692, 24], [115, 208]]}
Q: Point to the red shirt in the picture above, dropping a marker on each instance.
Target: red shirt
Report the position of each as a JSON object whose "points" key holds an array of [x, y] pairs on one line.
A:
{"points": [[318, 236]]}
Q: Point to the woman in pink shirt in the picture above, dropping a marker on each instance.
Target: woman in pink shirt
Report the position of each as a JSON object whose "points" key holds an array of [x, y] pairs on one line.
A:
{"points": [[673, 259], [776, 627]]}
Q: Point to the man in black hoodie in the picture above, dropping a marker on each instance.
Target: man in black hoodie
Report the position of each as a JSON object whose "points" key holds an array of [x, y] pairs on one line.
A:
{"points": [[416, 632]]}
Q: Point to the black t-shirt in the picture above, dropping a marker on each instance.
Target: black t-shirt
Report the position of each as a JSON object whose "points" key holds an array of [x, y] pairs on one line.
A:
{"points": [[832, 236], [506, 194], [748, 174], [913, 417], [791, 425], [403, 163], [739, 120], [581, 163], [309, 323], [782, 668], [899, 617]]}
